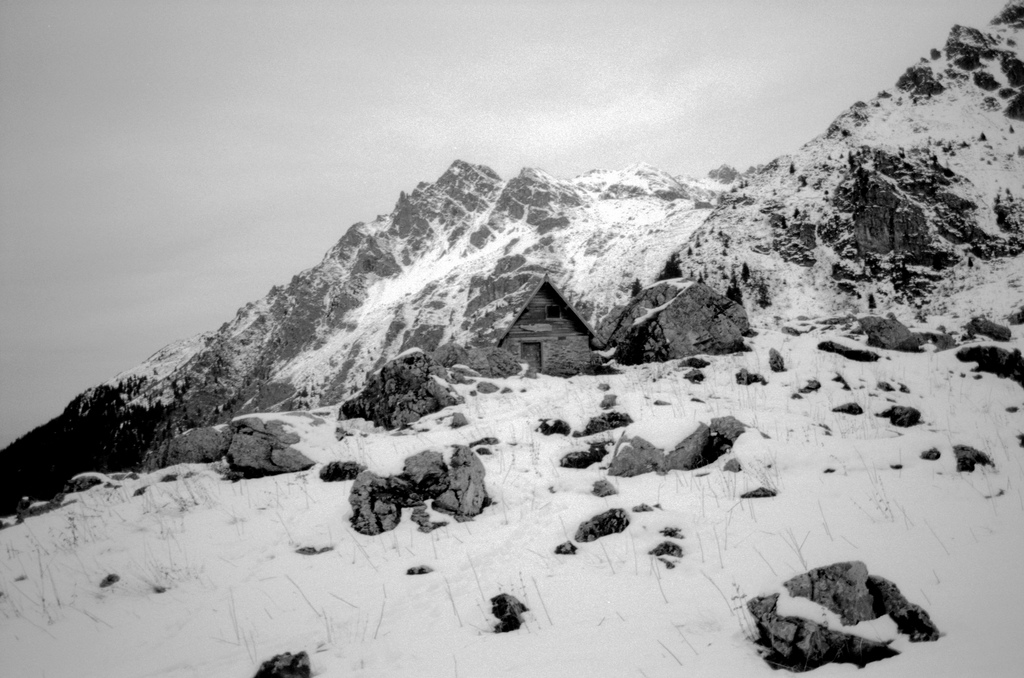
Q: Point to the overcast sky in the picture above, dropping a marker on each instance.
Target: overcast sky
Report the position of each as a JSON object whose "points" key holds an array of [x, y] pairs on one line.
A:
{"points": [[163, 163]]}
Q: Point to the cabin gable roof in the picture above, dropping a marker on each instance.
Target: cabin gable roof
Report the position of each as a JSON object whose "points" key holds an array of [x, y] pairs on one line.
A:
{"points": [[533, 293]]}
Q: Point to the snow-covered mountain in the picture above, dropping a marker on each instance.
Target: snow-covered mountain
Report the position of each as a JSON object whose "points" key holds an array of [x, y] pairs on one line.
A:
{"points": [[915, 198]]}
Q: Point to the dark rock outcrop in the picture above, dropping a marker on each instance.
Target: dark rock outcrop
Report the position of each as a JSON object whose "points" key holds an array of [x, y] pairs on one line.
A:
{"points": [[611, 521], [584, 458], [775, 361], [338, 471], [759, 493], [931, 454], [261, 448], [902, 415], [996, 360], [985, 327], [402, 391], [636, 456], [109, 580], [890, 334], [848, 408], [967, 458], [667, 548], [419, 569], [746, 378], [603, 488], [675, 319], [919, 80], [509, 612], [694, 362], [856, 354], [196, 446], [811, 386], [550, 427], [606, 422], [694, 376], [566, 549], [286, 665]]}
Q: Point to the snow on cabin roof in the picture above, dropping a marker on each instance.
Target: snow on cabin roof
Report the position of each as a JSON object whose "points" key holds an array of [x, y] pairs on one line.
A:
{"points": [[526, 300]]}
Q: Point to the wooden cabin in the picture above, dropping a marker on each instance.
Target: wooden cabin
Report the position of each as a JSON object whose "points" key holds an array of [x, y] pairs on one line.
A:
{"points": [[547, 332]]}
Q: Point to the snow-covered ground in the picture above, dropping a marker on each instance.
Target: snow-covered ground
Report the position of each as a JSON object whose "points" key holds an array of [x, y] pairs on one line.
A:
{"points": [[211, 585]]}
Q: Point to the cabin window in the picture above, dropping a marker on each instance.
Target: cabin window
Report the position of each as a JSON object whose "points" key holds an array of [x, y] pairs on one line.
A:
{"points": [[554, 311]]}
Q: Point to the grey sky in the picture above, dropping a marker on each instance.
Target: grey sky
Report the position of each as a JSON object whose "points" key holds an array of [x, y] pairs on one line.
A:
{"points": [[162, 163]]}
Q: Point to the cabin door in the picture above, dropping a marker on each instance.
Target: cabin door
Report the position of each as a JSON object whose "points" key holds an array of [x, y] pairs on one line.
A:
{"points": [[530, 352]]}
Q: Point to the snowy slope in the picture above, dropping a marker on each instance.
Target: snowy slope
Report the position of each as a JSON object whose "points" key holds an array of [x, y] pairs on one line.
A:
{"points": [[234, 592]]}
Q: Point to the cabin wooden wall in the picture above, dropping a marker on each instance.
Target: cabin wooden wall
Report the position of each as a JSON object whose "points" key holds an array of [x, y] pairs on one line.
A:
{"points": [[563, 340]]}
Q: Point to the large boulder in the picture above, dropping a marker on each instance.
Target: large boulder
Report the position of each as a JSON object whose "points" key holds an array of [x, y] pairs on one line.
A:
{"points": [[636, 456], [456, 488], [490, 362], [849, 591], [800, 644], [405, 389], [197, 446], [374, 508], [263, 448], [890, 334], [840, 587], [675, 319], [465, 495], [424, 476], [985, 327], [689, 453]]}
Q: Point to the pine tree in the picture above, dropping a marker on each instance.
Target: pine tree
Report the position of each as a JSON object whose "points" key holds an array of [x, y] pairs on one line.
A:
{"points": [[982, 137], [636, 288], [792, 168], [871, 301], [745, 272], [672, 268], [734, 292]]}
